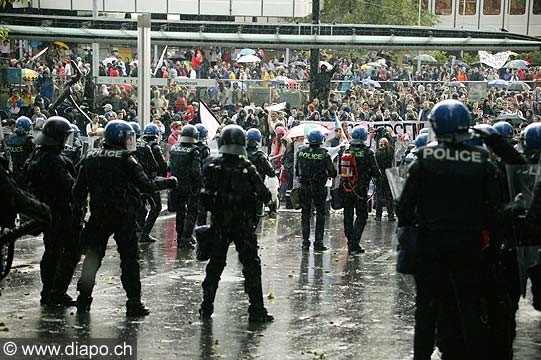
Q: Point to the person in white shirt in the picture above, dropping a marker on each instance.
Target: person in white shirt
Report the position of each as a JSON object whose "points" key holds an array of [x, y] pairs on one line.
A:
{"points": [[92, 131]]}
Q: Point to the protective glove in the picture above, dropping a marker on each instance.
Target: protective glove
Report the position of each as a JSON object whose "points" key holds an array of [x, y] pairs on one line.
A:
{"points": [[172, 182]]}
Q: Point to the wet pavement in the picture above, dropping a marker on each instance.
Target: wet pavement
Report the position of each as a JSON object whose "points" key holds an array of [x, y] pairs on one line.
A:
{"points": [[327, 305]]}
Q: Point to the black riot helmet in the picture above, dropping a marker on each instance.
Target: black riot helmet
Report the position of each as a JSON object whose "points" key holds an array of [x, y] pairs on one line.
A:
{"points": [[189, 134], [55, 132], [232, 140]]}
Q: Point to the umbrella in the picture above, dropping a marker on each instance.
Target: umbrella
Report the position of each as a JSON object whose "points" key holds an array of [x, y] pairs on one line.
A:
{"points": [[126, 86], [298, 64], [177, 57], [29, 74], [476, 63], [326, 64], [369, 82], [518, 86], [375, 64], [109, 60], [517, 64], [241, 84], [247, 52], [426, 58], [61, 44], [462, 63], [304, 129], [279, 63], [499, 84], [454, 84], [513, 119], [248, 59]]}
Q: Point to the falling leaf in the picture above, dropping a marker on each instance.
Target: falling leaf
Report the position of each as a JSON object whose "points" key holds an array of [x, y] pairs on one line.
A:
{"points": [[270, 296]]}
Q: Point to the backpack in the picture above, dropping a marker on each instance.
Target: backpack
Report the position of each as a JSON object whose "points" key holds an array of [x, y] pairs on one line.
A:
{"points": [[349, 173]]}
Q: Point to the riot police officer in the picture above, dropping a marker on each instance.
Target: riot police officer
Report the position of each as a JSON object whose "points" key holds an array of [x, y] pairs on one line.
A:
{"points": [[355, 179], [74, 147], [185, 160], [19, 145], [151, 135], [204, 151], [144, 156], [51, 176], [313, 167], [113, 179], [231, 191], [449, 196], [258, 158], [531, 255]]}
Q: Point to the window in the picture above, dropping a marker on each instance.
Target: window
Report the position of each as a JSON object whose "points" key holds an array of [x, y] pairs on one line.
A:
{"points": [[492, 7], [536, 9], [444, 7], [517, 7], [471, 7], [425, 4]]}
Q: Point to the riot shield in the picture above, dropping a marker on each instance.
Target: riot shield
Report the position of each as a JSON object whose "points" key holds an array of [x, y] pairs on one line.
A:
{"points": [[397, 177], [522, 181]]}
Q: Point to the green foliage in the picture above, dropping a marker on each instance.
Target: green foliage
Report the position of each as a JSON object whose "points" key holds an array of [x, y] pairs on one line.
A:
{"points": [[3, 33], [470, 57], [379, 12], [439, 55], [534, 55]]}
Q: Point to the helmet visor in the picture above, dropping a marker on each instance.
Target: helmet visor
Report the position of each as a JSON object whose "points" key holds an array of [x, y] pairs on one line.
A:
{"points": [[131, 141], [69, 139]]}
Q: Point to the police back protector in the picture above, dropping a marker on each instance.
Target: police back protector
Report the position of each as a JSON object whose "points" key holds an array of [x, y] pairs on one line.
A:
{"points": [[312, 168]]}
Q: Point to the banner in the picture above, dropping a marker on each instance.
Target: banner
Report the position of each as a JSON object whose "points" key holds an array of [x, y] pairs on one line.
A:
{"points": [[496, 61], [398, 127], [209, 120]]}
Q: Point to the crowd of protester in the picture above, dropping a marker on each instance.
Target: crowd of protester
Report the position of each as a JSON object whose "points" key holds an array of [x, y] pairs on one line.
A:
{"points": [[406, 95]]}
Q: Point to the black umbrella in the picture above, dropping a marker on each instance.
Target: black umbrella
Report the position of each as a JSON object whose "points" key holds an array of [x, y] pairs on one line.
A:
{"points": [[518, 86], [461, 63], [513, 119], [177, 57]]}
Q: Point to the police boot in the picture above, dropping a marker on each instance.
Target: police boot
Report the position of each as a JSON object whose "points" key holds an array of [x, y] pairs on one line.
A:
{"points": [[207, 306], [535, 276], [147, 238], [306, 245], [260, 315], [136, 308], [318, 246], [61, 299], [45, 297], [83, 304], [355, 249], [185, 244]]}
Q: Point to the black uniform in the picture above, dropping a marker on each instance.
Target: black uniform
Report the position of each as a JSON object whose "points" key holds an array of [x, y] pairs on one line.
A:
{"points": [[185, 160], [114, 181], [384, 159], [261, 162], [204, 152], [356, 200], [313, 167], [449, 195], [145, 157], [19, 145], [51, 176], [156, 203], [74, 153], [231, 190]]}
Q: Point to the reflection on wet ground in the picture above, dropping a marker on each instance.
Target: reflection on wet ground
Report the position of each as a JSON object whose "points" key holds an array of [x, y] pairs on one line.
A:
{"points": [[327, 305]]}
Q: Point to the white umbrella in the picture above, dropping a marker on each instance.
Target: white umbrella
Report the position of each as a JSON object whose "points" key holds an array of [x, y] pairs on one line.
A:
{"points": [[426, 58], [248, 59], [109, 60], [326, 63]]}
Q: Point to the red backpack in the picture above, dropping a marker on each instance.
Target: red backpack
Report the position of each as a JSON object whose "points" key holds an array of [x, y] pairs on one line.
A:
{"points": [[348, 171]]}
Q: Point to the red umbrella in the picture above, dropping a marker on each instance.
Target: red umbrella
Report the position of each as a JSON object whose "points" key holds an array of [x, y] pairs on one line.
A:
{"points": [[126, 86]]}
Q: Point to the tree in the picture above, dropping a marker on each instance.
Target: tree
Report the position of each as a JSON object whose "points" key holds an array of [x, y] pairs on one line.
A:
{"points": [[377, 12]]}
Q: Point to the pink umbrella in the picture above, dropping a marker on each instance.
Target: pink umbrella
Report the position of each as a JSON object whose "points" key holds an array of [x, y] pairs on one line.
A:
{"points": [[126, 86]]}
